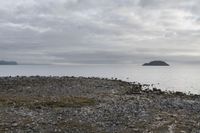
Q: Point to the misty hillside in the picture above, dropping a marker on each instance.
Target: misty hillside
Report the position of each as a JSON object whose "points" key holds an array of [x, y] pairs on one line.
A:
{"points": [[8, 62]]}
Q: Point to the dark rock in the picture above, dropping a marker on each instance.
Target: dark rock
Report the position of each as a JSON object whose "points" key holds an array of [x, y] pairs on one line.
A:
{"points": [[180, 93]]}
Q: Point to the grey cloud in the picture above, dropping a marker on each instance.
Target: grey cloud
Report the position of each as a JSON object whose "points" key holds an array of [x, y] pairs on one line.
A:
{"points": [[117, 57], [99, 32]]}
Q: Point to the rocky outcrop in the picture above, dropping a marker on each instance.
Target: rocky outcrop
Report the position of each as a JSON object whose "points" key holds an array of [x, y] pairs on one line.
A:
{"points": [[156, 63]]}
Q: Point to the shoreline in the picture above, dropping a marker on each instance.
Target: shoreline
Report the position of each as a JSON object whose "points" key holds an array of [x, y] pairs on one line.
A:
{"points": [[92, 104], [144, 86]]}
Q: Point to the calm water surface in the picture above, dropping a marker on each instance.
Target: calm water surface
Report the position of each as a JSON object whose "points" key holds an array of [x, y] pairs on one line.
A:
{"points": [[178, 78]]}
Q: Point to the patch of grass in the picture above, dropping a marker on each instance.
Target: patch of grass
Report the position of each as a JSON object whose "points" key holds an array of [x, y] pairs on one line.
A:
{"points": [[39, 102], [78, 126]]}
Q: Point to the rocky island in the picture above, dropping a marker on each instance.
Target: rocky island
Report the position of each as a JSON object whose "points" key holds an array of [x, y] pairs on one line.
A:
{"points": [[2, 62], [156, 63], [93, 105]]}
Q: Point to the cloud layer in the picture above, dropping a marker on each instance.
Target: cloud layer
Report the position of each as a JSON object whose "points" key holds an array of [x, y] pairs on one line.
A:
{"points": [[99, 31]]}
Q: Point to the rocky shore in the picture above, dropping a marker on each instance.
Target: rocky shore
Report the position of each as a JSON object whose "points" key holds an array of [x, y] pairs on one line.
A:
{"points": [[93, 105]]}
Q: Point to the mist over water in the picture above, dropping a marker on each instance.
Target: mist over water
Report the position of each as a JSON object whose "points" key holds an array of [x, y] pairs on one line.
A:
{"points": [[174, 78]]}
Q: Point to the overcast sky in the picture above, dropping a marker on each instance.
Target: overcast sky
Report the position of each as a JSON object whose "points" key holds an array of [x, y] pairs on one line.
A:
{"points": [[99, 31]]}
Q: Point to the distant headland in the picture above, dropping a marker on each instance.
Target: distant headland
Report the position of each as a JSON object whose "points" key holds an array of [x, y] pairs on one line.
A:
{"points": [[2, 62], [156, 63]]}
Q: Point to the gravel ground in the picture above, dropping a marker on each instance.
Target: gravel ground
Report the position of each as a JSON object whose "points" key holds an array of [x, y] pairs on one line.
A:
{"points": [[93, 105]]}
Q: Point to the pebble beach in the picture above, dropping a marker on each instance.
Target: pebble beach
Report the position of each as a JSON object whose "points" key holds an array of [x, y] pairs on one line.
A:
{"points": [[93, 105]]}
